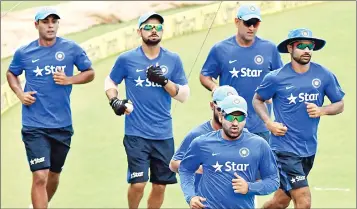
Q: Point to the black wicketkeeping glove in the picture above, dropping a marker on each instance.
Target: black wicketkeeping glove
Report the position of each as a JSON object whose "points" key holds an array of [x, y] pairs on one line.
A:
{"points": [[118, 105], [154, 74]]}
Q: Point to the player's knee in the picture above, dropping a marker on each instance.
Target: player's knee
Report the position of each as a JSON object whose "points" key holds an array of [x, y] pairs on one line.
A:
{"points": [[39, 178], [158, 188], [138, 187], [53, 177], [303, 203]]}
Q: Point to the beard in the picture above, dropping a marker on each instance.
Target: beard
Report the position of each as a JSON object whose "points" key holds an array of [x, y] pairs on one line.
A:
{"points": [[216, 117], [151, 42], [229, 133], [302, 60]]}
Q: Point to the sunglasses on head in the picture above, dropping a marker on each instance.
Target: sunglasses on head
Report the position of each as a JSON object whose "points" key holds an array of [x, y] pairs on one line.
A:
{"points": [[303, 46], [231, 118], [149, 27], [254, 21]]}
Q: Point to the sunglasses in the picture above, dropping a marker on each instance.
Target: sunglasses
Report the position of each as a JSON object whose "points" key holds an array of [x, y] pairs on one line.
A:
{"points": [[231, 118], [303, 46], [149, 27], [254, 21]]}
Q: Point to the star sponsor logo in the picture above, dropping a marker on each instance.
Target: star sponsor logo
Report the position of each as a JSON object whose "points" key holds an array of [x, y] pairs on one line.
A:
{"points": [[245, 72], [230, 166], [303, 97]]}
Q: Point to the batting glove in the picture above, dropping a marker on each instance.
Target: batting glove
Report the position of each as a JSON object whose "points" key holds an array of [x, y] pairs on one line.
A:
{"points": [[118, 105], [154, 74]]}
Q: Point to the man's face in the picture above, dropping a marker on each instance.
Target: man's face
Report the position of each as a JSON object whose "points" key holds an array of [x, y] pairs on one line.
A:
{"points": [[151, 31], [247, 29], [47, 28], [301, 51], [232, 125]]}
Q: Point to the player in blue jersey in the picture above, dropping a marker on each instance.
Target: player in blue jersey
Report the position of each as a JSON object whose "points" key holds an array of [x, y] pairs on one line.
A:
{"points": [[298, 90], [242, 61], [230, 159], [46, 114], [153, 75], [211, 125]]}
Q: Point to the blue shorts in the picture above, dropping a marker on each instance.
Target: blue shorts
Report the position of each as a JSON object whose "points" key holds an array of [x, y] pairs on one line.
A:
{"points": [[47, 148], [293, 170], [143, 154]]}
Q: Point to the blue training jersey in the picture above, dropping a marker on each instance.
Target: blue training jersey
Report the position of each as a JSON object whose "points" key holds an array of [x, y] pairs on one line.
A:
{"points": [[151, 118], [52, 106], [198, 131], [220, 159], [243, 68], [290, 91]]}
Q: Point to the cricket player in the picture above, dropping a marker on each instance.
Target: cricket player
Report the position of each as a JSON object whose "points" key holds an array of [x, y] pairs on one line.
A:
{"points": [[206, 127], [230, 159], [46, 113], [242, 61], [153, 75], [298, 90]]}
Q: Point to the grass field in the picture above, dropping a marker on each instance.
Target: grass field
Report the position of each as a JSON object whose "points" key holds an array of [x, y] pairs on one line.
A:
{"points": [[95, 172], [20, 5]]}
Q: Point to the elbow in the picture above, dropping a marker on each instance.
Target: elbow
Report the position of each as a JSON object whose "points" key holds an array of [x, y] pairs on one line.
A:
{"points": [[91, 75], [174, 165], [342, 108], [183, 94]]}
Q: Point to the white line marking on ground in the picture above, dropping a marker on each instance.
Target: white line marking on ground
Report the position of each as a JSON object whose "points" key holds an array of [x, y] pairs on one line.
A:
{"points": [[332, 189]]}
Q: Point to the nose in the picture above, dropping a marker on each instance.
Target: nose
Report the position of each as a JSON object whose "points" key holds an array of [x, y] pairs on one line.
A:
{"points": [[235, 122]]}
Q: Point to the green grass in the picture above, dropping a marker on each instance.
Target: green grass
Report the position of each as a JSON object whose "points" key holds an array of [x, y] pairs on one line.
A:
{"points": [[92, 32], [95, 172], [11, 5]]}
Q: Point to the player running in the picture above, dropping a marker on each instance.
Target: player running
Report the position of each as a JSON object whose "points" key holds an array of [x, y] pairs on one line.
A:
{"points": [[230, 158], [298, 90]]}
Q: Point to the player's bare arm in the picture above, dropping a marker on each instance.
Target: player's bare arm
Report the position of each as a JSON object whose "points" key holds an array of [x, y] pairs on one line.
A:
{"points": [[26, 98], [83, 77], [208, 82], [315, 111], [276, 128]]}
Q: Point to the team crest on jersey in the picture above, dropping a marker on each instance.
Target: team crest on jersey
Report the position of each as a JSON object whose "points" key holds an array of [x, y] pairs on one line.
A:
{"points": [[164, 69], [259, 59], [304, 33], [316, 83], [59, 56], [244, 152]]}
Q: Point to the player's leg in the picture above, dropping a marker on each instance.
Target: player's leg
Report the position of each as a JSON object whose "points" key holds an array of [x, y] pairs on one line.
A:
{"points": [[281, 198], [137, 150], [60, 144], [302, 195], [38, 154], [160, 173]]}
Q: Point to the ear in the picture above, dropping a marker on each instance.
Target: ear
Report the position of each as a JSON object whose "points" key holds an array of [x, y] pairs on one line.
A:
{"points": [[139, 32], [211, 104], [236, 22], [36, 24], [220, 118], [290, 48]]}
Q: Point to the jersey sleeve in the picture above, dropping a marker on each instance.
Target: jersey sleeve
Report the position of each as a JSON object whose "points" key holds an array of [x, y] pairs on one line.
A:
{"points": [[119, 71], [188, 166], [182, 149], [267, 88], [179, 76], [333, 89], [276, 60], [16, 65], [81, 60], [211, 67], [268, 171]]}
